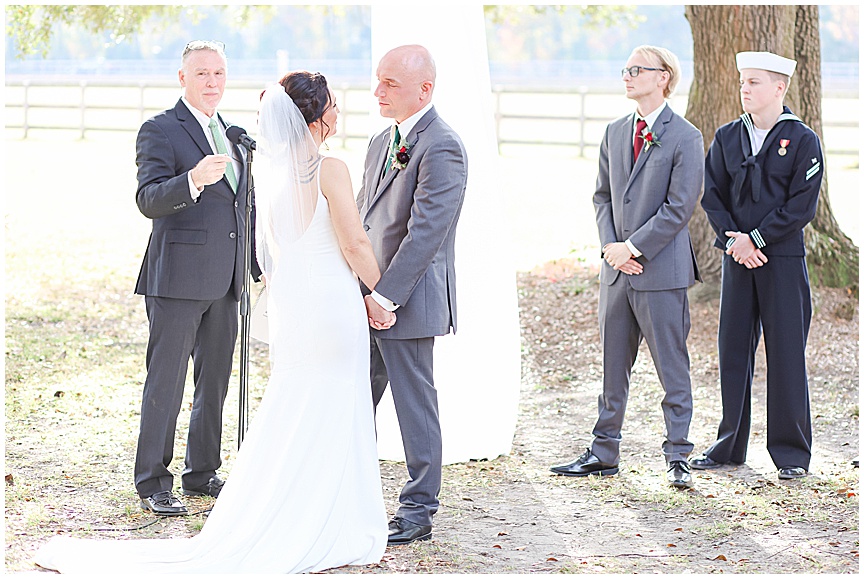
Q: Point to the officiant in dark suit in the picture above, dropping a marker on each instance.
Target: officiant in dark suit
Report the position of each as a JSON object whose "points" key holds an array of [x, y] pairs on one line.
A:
{"points": [[650, 177], [192, 274]]}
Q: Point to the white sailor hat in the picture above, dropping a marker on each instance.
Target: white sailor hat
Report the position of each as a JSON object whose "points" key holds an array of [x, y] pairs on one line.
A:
{"points": [[765, 61]]}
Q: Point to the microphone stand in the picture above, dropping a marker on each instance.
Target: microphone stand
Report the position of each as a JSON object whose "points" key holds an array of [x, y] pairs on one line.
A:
{"points": [[245, 308]]}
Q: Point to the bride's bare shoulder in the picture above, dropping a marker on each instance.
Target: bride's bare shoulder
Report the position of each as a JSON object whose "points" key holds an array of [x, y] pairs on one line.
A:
{"points": [[334, 175], [333, 165]]}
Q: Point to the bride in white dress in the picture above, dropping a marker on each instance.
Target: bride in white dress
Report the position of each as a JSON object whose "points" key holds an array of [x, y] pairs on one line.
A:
{"points": [[305, 492]]}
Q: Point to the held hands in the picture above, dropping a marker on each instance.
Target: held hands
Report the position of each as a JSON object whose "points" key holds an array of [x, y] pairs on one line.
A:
{"points": [[209, 170], [744, 252], [619, 257], [379, 318]]}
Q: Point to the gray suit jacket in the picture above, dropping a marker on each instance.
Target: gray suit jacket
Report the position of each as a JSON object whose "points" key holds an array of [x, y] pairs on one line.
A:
{"points": [[652, 204], [410, 216], [196, 248]]}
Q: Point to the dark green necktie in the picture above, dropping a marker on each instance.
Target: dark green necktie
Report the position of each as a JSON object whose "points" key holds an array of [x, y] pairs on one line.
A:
{"points": [[393, 148]]}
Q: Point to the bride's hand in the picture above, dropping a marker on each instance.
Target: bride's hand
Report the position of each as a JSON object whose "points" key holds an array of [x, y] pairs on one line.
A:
{"points": [[379, 318]]}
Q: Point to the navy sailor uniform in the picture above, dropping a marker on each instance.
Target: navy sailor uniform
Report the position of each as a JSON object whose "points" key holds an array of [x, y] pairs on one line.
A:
{"points": [[771, 196]]}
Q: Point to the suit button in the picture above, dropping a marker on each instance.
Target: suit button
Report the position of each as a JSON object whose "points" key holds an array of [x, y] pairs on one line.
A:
{"points": [[626, 201], [236, 204], [366, 227], [232, 235]]}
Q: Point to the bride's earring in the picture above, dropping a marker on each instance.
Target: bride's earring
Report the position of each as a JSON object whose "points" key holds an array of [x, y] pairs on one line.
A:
{"points": [[323, 136]]}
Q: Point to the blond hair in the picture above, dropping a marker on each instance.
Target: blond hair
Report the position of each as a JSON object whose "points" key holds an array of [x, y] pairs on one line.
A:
{"points": [[666, 60]]}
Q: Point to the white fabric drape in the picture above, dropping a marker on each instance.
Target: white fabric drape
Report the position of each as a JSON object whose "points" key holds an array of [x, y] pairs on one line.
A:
{"points": [[477, 371]]}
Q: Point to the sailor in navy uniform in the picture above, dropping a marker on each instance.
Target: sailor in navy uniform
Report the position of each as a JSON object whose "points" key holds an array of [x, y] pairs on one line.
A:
{"points": [[762, 178]]}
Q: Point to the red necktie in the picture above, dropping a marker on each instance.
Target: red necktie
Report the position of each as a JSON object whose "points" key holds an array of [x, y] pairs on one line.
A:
{"points": [[638, 141]]}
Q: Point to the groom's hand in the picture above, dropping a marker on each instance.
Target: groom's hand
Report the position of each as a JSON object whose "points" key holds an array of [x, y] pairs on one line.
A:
{"points": [[379, 318]]}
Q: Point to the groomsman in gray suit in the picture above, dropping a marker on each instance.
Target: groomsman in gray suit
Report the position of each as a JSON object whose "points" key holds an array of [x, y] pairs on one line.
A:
{"points": [[651, 169], [410, 199]]}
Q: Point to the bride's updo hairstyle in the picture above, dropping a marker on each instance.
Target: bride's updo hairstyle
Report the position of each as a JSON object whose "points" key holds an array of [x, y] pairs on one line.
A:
{"points": [[309, 92]]}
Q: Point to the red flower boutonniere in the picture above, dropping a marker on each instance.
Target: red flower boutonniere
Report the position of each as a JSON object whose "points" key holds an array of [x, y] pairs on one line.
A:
{"points": [[650, 140], [401, 158]]}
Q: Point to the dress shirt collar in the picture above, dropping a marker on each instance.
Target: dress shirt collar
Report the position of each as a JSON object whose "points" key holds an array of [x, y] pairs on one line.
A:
{"points": [[203, 119], [408, 124], [650, 118]]}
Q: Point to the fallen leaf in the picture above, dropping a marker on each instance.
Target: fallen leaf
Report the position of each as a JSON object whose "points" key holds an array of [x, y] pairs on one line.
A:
{"points": [[671, 545], [679, 529], [496, 546], [551, 559], [467, 499], [10, 480], [720, 558], [710, 497], [59, 394], [501, 534], [638, 535]]}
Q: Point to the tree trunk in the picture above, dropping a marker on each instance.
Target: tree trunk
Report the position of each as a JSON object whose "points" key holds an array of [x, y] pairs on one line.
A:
{"points": [[832, 258], [719, 32]]}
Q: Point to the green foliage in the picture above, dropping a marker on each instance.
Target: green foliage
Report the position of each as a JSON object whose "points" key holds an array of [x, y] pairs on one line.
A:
{"points": [[32, 26], [595, 16]]}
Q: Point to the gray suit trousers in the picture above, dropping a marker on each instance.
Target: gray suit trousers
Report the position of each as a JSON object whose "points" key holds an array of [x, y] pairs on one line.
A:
{"points": [[206, 330], [663, 319], [407, 366]]}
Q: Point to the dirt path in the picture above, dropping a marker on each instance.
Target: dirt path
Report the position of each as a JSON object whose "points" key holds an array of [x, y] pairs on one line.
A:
{"points": [[513, 515], [509, 515]]}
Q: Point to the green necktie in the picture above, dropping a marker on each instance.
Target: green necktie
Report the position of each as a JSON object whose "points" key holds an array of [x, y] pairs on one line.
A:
{"points": [[393, 148], [220, 148]]}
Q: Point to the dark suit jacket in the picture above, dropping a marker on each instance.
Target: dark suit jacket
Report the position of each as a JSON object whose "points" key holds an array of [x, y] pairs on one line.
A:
{"points": [[196, 248], [652, 203]]}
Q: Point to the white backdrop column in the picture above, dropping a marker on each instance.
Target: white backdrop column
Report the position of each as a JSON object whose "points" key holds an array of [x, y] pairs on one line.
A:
{"points": [[477, 371]]}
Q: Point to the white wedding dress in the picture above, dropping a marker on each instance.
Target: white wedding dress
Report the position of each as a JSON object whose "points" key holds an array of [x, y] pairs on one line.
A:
{"points": [[305, 492]]}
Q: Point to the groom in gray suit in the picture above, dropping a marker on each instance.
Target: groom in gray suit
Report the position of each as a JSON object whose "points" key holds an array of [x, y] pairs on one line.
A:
{"points": [[410, 200], [651, 168]]}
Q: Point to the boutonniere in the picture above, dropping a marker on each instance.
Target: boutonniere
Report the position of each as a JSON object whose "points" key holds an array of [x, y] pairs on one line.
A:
{"points": [[650, 140], [401, 158]]}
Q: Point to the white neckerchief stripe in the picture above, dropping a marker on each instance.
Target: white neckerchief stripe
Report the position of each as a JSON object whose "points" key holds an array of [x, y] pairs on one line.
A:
{"points": [[751, 129]]}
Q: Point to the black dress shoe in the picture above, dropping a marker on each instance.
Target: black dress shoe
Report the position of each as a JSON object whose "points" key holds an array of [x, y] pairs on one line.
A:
{"points": [[211, 489], [790, 472], [164, 503], [705, 462], [402, 532], [585, 465], [678, 474]]}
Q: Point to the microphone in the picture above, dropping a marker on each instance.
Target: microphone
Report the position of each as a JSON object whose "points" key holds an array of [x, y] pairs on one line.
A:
{"points": [[238, 136]]}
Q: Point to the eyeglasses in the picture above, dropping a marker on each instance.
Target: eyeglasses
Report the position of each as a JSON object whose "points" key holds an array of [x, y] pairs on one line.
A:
{"points": [[635, 70], [204, 45]]}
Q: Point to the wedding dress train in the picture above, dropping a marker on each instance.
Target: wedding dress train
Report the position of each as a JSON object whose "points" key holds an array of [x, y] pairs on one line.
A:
{"points": [[305, 491]]}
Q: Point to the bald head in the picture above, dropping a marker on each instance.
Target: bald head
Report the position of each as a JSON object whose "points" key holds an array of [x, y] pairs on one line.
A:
{"points": [[406, 79], [415, 60]]}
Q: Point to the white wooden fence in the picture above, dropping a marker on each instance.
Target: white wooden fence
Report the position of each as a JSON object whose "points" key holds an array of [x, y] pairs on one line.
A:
{"points": [[553, 117]]}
